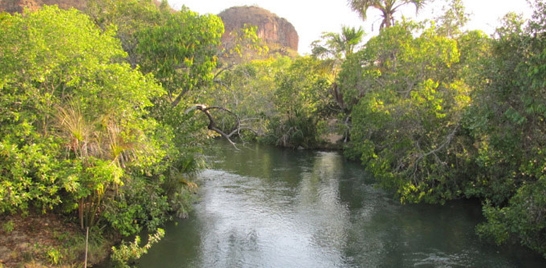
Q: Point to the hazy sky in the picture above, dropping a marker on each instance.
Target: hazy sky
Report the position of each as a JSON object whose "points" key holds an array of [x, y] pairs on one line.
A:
{"points": [[313, 17]]}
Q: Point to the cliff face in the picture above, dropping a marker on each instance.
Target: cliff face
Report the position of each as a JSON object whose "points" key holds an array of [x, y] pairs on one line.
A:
{"points": [[271, 28]]}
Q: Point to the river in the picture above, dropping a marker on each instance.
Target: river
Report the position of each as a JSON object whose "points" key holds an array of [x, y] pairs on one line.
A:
{"points": [[262, 206]]}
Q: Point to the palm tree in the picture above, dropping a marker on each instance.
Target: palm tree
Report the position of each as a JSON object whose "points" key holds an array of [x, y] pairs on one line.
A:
{"points": [[387, 8], [333, 49], [338, 45]]}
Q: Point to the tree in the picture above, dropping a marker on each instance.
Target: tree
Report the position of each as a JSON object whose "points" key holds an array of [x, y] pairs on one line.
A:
{"points": [[406, 125], [248, 90], [301, 100], [333, 50], [453, 19], [178, 48], [181, 52], [387, 8], [76, 124], [129, 17], [507, 122], [360, 70], [337, 46]]}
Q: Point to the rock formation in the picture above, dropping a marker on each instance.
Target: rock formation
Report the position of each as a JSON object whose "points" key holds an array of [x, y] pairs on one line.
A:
{"points": [[271, 28]]}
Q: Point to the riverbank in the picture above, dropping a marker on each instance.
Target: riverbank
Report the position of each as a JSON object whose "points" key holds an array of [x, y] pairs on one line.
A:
{"points": [[47, 240]]}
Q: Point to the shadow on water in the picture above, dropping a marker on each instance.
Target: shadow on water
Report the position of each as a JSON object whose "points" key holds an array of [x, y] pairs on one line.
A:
{"points": [[267, 207]]}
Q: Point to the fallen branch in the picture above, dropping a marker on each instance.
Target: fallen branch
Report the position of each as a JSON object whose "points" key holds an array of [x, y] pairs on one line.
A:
{"points": [[212, 124]]}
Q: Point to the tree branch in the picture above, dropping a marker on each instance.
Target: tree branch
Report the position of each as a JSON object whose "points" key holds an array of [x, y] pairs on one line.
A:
{"points": [[212, 123], [448, 140]]}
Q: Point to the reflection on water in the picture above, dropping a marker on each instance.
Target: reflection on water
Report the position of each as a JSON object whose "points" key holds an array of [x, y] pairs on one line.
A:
{"points": [[266, 207]]}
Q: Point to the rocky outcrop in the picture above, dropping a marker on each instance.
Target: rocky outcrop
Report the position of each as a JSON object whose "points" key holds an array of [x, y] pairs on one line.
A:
{"points": [[271, 28]]}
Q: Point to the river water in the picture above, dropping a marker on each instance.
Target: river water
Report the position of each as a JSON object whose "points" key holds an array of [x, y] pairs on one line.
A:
{"points": [[261, 206]]}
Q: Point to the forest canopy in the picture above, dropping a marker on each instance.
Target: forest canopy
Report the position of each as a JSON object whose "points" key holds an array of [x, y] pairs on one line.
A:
{"points": [[98, 125]]}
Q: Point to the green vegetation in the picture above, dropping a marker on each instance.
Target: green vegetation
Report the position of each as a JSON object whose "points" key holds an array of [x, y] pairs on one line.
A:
{"points": [[88, 135], [96, 123], [441, 114], [133, 251]]}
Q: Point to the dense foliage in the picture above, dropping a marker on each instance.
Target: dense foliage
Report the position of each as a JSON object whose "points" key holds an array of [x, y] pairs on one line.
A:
{"points": [[441, 114], [434, 112], [301, 100], [73, 112], [96, 118], [88, 133], [508, 123]]}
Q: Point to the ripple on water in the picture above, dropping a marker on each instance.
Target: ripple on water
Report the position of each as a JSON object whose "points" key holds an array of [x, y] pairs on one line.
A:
{"points": [[440, 259], [314, 210]]}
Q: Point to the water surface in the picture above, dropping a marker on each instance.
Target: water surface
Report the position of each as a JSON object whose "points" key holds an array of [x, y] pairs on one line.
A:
{"points": [[261, 206]]}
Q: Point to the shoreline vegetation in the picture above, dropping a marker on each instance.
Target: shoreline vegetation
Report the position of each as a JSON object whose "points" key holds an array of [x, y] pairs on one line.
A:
{"points": [[105, 113]]}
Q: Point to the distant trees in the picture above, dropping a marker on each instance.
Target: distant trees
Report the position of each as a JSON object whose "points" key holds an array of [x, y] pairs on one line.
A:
{"points": [[248, 90], [301, 100]]}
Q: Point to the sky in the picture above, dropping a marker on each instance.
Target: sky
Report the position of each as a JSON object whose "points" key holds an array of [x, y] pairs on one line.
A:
{"points": [[313, 17]]}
